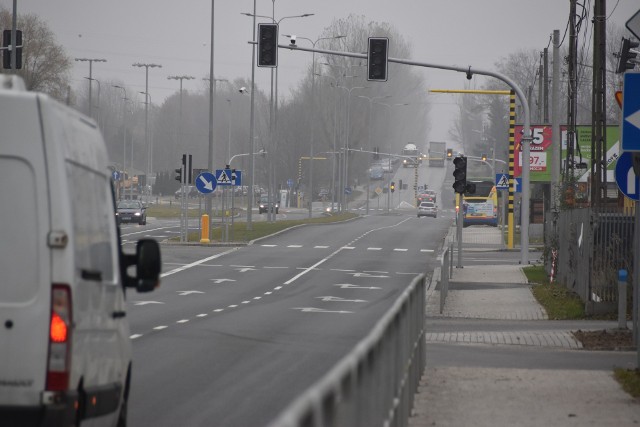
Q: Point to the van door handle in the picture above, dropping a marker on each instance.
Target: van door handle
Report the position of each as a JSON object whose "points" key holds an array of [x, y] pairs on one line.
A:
{"points": [[118, 314]]}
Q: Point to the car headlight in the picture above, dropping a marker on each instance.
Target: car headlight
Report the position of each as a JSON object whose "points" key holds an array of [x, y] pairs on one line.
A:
{"points": [[137, 214]]}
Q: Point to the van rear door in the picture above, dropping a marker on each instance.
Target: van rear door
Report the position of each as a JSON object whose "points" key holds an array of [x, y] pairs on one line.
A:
{"points": [[25, 285]]}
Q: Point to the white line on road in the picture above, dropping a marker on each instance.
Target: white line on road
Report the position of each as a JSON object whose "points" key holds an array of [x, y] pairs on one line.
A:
{"points": [[182, 321], [159, 328], [193, 264], [134, 336]]}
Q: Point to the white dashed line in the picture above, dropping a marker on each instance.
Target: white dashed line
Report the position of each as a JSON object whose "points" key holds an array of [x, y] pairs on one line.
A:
{"points": [[218, 310], [276, 267], [202, 315], [320, 247], [246, 302], [182, 321], [294, 246], [257, 298], [232, 306], [348, 247], [268, 293], [400, 250], [134, 336], [374, 249], [277, 288], [159, 328], [269, 246], [427, 250]]}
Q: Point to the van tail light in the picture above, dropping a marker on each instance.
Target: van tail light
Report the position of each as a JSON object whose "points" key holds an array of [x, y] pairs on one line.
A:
{"points": [[58, 364]]}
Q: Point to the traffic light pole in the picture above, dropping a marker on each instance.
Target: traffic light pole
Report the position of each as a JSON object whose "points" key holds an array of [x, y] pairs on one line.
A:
{"points": [[469, 72]]}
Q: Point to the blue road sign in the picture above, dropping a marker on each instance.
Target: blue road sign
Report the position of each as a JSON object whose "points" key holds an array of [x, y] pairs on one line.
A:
{"points": [[502, 181], [517, 185], [630, 134], [290, 183], [206, 182], [115, 176], [347, 190], [626, 178], [228, 177]]}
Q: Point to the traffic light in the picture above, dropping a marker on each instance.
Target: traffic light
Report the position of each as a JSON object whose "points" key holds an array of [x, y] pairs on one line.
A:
{"points": [[484, 157], [267, 45], [377, 59], [393, 186], [6, 53], [449, 153], [178, 175], [460, 174], [627, 55]]}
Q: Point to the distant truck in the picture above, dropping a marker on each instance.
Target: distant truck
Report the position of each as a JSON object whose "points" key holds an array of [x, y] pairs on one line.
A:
{"points": [[411, 156], [437, 153]]}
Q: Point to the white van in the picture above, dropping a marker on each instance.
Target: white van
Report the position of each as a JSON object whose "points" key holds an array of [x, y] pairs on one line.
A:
{"points": [[65, 351]]}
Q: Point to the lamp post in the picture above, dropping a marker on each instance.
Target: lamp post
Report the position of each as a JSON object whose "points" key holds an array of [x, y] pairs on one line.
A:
{"points": [[346, 145], [272, 106], [90, 61], [146, 112], [313, 107], [371, 99], [124, 129], [389, 106], [180, 78]]}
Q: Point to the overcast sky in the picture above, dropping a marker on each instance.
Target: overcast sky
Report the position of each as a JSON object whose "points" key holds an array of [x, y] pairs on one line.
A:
{"points": [[176, 34]]}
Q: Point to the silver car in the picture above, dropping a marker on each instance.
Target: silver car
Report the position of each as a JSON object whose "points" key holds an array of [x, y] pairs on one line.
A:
{"points": [[427, 209]]}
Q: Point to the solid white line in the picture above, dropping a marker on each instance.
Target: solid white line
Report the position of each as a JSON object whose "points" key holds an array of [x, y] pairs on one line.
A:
{"points": [[193, 264], [159, 328], [274, 267], [145, 231], [242, 266]]}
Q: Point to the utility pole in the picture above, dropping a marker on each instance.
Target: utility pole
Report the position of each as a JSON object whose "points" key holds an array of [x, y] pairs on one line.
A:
{"points": [[598, 176], [572, 93], [540, 89], [545, 84], [555, 128]]}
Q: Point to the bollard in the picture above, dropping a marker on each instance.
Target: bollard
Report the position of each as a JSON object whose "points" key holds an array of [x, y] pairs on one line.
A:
{"points": [[622, 299], [204, 235]]}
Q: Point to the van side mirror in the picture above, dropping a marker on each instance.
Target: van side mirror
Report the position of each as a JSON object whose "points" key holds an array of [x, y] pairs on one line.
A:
{"points": [[148, 266]]}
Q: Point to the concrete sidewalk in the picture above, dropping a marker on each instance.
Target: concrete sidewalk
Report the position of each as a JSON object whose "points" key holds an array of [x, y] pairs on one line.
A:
{"points": [[472, 395]]}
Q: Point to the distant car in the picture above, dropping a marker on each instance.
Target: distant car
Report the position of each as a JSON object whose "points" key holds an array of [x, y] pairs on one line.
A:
{"points": [[428, 209], [190, 190], [131, 211], [425, 197], [431, 193], [264, 205]]}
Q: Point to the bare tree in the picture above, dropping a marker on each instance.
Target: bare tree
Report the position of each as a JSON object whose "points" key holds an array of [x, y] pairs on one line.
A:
{"points": [[45, 64]]}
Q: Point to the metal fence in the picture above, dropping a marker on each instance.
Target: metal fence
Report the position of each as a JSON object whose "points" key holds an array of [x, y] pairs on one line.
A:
{"points": [[374, 384], [592, 245]]}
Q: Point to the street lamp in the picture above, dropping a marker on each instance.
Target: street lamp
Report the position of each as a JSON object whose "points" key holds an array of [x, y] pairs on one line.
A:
{"points": [[180, 78], [313, 105], [124, 131], [371, 99], [272, 108], [90, 61], [146, 112], [346, 143]]}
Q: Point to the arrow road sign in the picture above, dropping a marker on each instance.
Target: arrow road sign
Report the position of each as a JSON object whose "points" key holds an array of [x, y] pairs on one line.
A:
{"points": [[338, 299], [320, 310], [146, 302], [205, 182], [217, 281], [626, 178], [350, 286], [630, 136]]}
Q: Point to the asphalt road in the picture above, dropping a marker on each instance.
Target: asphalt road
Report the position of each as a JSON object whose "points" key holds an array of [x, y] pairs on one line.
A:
{"points": [[233, 335]]}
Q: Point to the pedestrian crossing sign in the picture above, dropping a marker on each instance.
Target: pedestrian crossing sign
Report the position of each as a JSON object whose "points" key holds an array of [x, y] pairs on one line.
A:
{"points": [[228, 177], [502, 181]]}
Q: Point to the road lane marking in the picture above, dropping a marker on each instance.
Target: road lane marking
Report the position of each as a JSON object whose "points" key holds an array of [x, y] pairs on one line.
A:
{"points": [[338, 299], [427, 250], [233, 306], [320, 247], [400, 250], [294, 246], [218, 310], [135, 336], [218, 281], [146, 302], [268, 293], [202, 315], [159, 328], [183, 293], [193, 264], [269, 246], [182, 321], [374, 249], [350, 286], [320, 310]]}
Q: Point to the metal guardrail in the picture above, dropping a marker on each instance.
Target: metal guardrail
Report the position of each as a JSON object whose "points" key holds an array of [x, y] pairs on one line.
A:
{"points": [[374, 384]]}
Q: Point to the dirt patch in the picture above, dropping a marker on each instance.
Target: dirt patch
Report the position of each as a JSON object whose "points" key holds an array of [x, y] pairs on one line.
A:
{"points": [[608, 339]]}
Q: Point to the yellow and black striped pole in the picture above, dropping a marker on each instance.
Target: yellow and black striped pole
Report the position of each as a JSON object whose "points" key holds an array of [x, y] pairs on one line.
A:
{"points": [[512, 140]]}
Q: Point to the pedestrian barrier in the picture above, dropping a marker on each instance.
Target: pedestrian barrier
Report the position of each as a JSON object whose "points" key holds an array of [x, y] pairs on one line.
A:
{"points": [[375, 383]]}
